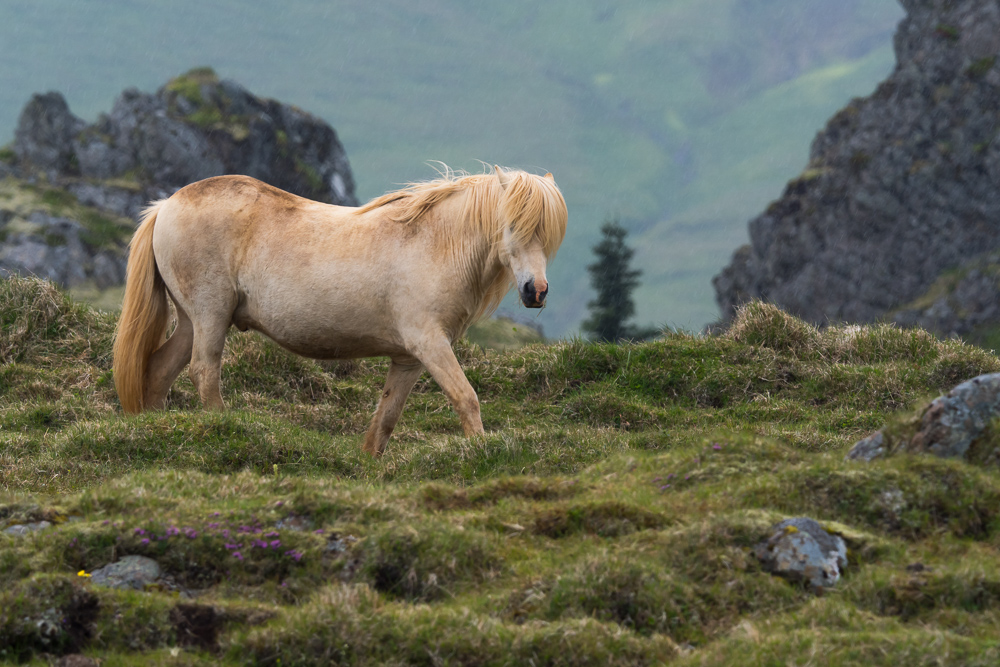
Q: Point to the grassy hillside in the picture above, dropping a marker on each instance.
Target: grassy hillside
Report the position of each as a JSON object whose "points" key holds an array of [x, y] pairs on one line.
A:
{"points": [[606, 517], [682, 117]]}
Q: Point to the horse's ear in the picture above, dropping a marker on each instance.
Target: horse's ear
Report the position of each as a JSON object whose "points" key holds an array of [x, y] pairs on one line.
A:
{"points": [[549, 176], [502, 176]]}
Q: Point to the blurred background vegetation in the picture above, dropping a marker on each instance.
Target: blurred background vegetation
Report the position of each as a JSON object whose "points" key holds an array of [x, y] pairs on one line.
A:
{"points": [[682, 118]]}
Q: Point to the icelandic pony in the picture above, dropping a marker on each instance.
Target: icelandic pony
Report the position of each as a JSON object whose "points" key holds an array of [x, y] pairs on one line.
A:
{"points": [[402, 276]]}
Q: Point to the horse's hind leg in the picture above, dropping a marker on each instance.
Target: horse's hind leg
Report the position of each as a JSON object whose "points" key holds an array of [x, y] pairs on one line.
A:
{"points": [[168, 361], [206, 362], [401, 378]]}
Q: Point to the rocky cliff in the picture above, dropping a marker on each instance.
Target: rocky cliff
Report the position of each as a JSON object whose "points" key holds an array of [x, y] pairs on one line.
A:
{"points": [[899, 208], [70, 189]]}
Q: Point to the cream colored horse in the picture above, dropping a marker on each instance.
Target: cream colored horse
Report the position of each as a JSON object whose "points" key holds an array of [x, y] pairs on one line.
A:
{"points": [[402, 277]]}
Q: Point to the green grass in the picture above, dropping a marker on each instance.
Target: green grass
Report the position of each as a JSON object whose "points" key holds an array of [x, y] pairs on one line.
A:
{"points": [[607, 516]]}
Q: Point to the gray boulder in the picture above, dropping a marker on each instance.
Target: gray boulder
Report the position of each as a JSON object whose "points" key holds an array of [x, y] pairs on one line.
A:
{"points": [[801, 550], [129, 572], [951, 426], [951, 423]]}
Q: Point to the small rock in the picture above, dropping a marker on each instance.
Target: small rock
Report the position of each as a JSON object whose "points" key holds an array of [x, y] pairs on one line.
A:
{"points": [[338, 545], [135, 572], [801, 550], [23, 529], [867, 449], [293, 522]]}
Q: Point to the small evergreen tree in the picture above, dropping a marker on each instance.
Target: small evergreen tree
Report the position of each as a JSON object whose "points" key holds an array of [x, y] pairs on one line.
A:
{"points": [[613, 281]]}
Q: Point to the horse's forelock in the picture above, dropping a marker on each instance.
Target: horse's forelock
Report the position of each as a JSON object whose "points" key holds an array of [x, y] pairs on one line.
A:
{"points": [[534, 208]]}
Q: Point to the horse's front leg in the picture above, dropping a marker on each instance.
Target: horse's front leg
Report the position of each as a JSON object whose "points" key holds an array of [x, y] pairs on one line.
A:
{"points": [[402, 376], [440, 360]]}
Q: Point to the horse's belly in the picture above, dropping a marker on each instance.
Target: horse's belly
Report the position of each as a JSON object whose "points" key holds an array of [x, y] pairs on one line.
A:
{"points": [[313, 337]]}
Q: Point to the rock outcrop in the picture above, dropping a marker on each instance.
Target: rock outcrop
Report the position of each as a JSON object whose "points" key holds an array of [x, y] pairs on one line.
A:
{"points": [[74, 187], [901, 187], [196, 126], [956, 425]]}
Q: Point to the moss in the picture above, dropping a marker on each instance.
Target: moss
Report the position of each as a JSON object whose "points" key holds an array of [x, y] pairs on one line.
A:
{"points": [[206, 117], [57, 200], [7, 154], [859, 160], [609, 519], [427, 562], [313, 180], [981, 67], [189, 85], [948, 32]]}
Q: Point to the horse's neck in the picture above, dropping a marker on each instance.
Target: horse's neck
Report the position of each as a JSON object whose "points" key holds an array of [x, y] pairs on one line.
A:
{"points": [[475, 252]]}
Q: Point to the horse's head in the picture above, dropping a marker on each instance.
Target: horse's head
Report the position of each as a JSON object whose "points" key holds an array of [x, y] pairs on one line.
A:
{"points": [[533, 214]]}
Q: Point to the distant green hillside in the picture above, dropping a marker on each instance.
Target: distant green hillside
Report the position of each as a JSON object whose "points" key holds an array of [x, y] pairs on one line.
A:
{"points": [[683, 117]]}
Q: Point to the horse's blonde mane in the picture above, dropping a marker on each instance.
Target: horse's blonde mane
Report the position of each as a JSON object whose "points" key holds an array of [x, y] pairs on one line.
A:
{"points": [[531, 205]]}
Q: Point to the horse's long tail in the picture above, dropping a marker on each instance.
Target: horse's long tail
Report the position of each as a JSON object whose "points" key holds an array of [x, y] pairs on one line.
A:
{"points": [[143, 321]]}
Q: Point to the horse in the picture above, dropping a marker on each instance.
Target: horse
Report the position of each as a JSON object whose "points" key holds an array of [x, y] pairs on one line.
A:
{"points": [[402, 277]]}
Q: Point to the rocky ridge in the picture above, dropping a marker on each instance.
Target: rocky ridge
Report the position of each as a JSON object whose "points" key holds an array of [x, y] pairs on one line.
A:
{"points": [[897, 214], [70, 191]]}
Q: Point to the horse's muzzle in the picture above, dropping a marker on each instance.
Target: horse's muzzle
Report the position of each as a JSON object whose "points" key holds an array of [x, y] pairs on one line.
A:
{"points": [[532, 297]]}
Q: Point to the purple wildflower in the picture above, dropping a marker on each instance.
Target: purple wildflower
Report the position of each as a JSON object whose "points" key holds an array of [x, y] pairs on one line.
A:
{"points": [[213, 525], [279, 503], [225, 533], [144, 540], [319, 531], [657, 479], [671, 476], [272, 534], [664, 487], [297, 555], [190, 533], [275, 544], [106, 522], [234, 546], [216, 514], [716, 446], [284, 584], [237, 555], [687, 476], [140, 531]]}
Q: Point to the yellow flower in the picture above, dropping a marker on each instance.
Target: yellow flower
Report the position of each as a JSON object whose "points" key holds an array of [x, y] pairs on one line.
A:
{"points": [[82, 573]]}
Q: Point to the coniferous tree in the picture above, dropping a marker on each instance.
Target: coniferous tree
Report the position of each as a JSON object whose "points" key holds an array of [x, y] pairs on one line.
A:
{"points": [[613, 281]]}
